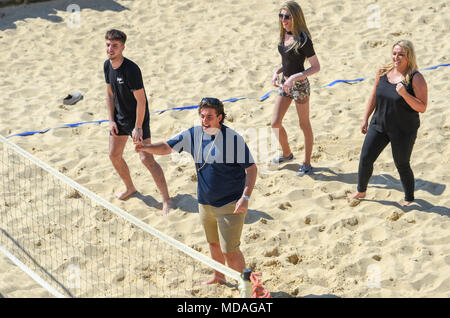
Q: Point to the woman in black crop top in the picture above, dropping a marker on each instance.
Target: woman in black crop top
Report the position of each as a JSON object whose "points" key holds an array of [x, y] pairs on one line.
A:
{"points": [[399, 95], [294, 47]]}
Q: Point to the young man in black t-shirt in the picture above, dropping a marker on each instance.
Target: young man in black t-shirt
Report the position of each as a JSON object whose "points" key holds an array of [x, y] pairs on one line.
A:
{"points": [[128, 115]]}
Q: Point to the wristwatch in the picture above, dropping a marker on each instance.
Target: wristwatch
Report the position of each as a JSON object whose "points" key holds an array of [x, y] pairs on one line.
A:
{"points": [[246, 197]]}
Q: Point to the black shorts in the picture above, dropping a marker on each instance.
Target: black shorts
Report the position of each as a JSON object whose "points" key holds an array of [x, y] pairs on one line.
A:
{"points": [[127, 131]]}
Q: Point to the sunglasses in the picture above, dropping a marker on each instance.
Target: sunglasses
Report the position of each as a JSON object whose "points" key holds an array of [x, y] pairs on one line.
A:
{"points": [[210, 101], [284, 16]]}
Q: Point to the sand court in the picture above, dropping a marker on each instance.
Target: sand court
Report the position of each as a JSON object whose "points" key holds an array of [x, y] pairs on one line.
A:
{"points": [[301, 233]]}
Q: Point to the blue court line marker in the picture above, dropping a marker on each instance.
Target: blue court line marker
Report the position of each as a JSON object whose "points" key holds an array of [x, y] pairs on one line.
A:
{"points": [[435, 67], [344, 81], [231, 100], [43, 131], [362, 79], [83, 123], [30, 133]]}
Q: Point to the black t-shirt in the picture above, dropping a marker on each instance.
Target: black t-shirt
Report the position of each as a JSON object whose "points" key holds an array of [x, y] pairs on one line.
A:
{"points": [[392, 112], [293, 62], [124, 81]]}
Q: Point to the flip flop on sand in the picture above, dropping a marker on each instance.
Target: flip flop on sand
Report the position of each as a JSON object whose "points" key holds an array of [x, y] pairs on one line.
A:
{"points": [[72, 99]]}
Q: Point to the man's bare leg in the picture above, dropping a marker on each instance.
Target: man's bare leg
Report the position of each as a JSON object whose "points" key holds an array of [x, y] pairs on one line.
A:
{"points": [[158, 175], [217, 255], [236, 261], [116, 147]]}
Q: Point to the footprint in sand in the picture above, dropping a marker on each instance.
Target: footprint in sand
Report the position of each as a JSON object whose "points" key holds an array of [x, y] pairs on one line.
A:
{"points": [[119, 278], [271, 253], [74, 195], [377, 258], [395, 216], [294, 259], [285, 206], [354, 202], [104, 216]]}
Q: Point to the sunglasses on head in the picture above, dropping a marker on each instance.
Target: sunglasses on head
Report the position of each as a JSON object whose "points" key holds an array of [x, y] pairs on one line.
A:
{"points": [[210, 101], [284, 16]]}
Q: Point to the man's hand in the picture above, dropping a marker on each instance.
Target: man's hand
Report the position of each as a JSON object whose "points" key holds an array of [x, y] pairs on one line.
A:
{"points": [[137, 135], [241, 206], [138, 147], [113, 128]]}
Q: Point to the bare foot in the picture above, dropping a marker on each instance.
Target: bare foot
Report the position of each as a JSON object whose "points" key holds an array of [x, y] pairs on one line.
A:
{"points": [[407, 203], [357, 196], [212, 281], [167, 205], [125, 194]]}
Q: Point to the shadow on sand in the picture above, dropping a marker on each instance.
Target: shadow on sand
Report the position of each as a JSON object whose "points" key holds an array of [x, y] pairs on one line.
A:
{"points": [[383, 181], [36, 265], [282, 294], [48, 10], [188, 203]]}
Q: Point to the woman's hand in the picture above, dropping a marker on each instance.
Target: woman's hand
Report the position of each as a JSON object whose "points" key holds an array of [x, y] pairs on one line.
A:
{"points": [[364, 126], [287, 85], [401, 90], [275, 80]]}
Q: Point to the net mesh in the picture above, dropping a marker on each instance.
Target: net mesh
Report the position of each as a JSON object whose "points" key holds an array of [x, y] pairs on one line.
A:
{"points": [[83, 249]]}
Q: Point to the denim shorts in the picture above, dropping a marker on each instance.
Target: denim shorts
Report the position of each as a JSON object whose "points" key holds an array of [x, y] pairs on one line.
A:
{"points": [[299, 91]]}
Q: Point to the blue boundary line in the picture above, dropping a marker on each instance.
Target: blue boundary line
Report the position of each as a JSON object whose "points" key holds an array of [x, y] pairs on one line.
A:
{"points": [[230, 100], [362, 79]]}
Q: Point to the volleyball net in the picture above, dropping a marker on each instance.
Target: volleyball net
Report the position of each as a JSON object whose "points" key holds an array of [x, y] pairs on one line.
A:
{"points": [[76, 244]]}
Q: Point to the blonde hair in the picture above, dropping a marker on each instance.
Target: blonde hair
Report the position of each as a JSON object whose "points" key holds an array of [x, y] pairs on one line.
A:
{"points": [[298, 25], [411, 57]]}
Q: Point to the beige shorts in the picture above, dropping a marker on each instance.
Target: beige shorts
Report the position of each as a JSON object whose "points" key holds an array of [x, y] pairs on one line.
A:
{"points": [[221, 225]]}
